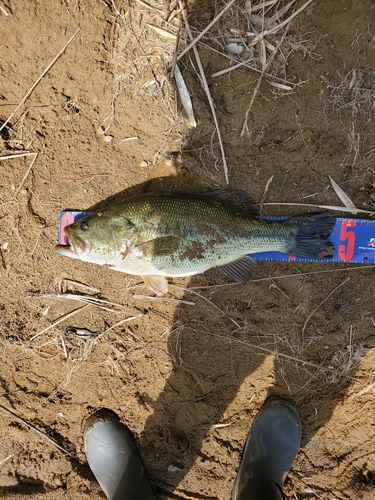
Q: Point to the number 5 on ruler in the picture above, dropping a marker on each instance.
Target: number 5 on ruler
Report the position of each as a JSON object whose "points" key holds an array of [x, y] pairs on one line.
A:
{"points": [[347, 238]]}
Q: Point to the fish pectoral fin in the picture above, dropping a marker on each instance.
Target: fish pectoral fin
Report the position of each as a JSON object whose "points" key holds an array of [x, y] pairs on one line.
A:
{"points": [[165, 245], [158, 284], [241, 270]]}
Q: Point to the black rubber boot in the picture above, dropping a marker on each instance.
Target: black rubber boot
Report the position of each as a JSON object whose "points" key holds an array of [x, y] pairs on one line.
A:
{"points": [[271, 447], [114, 460]]}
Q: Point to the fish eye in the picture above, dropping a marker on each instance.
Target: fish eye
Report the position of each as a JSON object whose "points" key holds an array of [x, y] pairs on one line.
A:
{"points": [[84, 226]]}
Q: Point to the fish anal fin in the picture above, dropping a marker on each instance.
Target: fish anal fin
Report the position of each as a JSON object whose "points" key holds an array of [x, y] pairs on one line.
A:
{"points": [[241, 270], [165, 245], [238, 200], [157, 284]]}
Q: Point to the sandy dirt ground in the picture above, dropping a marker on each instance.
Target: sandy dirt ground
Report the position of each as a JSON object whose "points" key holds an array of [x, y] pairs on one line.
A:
{"points": [[187, 373]]}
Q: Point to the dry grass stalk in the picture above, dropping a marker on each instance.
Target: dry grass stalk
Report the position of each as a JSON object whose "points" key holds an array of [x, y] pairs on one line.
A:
{"points": [[220, 426], [26, 175], [328, 296], [290, 18], [162, 32], [261, 30], [264, 69], [189, 290], [202, 33], [34, 429], [119, 323], [36, 83], [3, 11], [285, 276], [352, 268], [287, 85], [86, 299], [356, 91], [5, 459], [365, 390], [162, 299], [150, 7], [265, 192], [60, 320], [276, 354], [17, 155], [62, 287], [325, 207], [207, 90]]}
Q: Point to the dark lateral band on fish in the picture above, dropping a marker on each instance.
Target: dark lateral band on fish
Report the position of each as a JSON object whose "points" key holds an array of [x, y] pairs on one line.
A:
{"points": [[159, 235]]}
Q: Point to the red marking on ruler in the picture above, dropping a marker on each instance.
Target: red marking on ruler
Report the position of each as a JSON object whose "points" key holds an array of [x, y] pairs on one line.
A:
{"points": [[66, 219], [347, 237]]}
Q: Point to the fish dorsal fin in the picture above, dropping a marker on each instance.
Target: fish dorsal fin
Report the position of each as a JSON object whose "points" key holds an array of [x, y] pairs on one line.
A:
{"points": [[165, 245], [241, 270], [239, 201], [157, 284]]}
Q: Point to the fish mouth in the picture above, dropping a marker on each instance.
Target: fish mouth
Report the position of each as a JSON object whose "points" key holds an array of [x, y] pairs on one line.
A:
{"points": [[65, 251], [76, 245]]}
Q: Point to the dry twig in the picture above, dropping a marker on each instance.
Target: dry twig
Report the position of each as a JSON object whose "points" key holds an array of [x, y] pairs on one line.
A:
{"points": [[32, 428]]}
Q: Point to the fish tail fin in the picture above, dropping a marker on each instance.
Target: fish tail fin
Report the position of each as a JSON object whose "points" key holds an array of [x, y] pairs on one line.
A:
{"points": [[311, 236]]}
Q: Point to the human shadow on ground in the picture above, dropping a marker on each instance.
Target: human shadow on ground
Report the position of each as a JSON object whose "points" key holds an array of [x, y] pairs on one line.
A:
{"points": [[222, 341], [212, 358]]}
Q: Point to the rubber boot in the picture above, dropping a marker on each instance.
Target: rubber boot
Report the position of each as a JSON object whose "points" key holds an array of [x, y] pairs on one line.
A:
{"points": [[270, 450], [114, 460]]}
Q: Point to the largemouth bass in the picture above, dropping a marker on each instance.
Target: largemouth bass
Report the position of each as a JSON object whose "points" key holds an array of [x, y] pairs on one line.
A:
{"points": [[159, 235]]}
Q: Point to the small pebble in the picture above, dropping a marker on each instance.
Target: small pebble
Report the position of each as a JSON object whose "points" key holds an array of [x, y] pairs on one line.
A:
{"points": [[82, 332]]}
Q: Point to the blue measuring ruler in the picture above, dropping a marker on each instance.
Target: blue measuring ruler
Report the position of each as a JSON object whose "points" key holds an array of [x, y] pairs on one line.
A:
{"points": [[354, 240]]}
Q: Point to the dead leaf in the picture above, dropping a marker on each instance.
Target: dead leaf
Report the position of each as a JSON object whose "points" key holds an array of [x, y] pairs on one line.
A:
{"points": [[342, 195], [184, 95]]}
